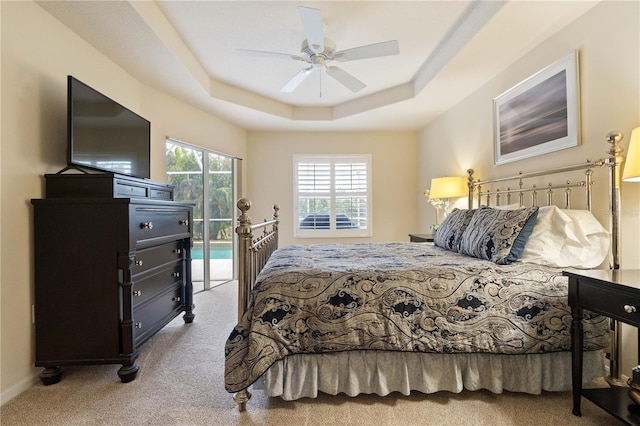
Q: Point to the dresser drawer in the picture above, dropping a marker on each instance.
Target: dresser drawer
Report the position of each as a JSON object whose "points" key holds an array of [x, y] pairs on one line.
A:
{"points": [[611, 303], [159, 194], [156, 313], [149, 284], [105, 185], [149, 258], [127, 190], [150, 224]]}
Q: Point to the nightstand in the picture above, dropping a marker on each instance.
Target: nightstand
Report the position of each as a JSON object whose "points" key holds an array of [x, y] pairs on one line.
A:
{"points": [[615, 294], [421, 238]]}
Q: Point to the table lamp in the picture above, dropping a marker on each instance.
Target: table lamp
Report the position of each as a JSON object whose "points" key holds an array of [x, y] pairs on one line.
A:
{"points": [[441, 192]]}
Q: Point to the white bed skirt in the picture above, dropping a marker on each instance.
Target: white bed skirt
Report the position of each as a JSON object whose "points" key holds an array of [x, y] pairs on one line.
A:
{"points": [[382, 372]]}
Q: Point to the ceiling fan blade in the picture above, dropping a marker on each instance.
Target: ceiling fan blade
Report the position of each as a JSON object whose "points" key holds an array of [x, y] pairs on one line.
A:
{"points": [[386, 48], [313, 28], [263, 54], [349, 81], [296, 80]]}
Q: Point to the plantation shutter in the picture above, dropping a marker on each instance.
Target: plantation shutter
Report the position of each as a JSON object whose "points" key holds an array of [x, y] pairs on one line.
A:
{"points": [[332, 195]]}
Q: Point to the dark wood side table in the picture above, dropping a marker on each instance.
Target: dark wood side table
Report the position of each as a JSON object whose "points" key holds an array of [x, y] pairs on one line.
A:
{"points": [[421, 238], [615, 294]]}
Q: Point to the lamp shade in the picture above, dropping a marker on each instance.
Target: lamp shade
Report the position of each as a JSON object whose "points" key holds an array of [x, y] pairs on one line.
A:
{"points": [[632, 163], [448, 187]]}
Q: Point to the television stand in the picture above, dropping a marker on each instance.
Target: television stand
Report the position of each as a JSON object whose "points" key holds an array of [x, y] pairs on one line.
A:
{"points": [[66, 169]]}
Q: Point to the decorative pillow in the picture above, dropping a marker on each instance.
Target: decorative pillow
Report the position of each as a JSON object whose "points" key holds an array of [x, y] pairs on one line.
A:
{"points": [[523, 238], [450, 230], [567, 238], [493, 234]]}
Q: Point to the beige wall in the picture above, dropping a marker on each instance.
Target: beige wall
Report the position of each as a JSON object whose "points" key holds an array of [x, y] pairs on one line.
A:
{"points": [[610, 93], [172, 118], [394, 177], [38, 53]]}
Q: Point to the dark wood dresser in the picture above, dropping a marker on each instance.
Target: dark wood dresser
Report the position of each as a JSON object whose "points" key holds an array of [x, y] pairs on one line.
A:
{"points": [[112, 267]]}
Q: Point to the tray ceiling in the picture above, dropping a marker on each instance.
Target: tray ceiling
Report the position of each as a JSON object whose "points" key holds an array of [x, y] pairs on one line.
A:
{"points": [[448, 49]]}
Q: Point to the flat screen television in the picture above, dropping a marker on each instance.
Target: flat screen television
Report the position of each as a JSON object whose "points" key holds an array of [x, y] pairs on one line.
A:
{"points": [[105, 136]]}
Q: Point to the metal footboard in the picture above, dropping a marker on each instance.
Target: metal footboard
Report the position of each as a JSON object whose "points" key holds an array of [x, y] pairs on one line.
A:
{"points": [[254, 251]]}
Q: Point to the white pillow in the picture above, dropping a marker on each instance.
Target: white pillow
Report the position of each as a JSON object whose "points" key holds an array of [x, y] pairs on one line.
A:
{"points": [[566, 238]]}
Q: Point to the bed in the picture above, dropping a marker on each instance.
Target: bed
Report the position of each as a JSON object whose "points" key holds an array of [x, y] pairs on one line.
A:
{"points": [[484, 307]]}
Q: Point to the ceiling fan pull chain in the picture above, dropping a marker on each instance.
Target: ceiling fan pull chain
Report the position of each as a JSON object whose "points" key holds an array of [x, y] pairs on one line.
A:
{"points": [[321, 85]]}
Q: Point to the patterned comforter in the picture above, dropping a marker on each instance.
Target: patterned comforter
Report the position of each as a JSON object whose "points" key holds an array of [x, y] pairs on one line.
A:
{"points": [[399, 297]]}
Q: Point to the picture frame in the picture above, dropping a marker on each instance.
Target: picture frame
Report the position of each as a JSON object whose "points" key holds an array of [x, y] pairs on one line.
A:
{"points": [[539, 115]]}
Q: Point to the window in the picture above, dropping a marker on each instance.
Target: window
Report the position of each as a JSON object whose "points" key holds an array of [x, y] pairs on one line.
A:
{"points": [[332, 195]]}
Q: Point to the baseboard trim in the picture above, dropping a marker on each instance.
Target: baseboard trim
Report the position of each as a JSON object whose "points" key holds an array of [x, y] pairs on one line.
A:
{"points": [[18, 388]]}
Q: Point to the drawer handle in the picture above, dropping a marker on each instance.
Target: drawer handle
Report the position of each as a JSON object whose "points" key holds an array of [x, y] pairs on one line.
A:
{"points": [[137, 293], [629, 309], [184, 222], [177, 251], [176, 299], [147, 225], [138, 262], [175, 274], [138, 325]]}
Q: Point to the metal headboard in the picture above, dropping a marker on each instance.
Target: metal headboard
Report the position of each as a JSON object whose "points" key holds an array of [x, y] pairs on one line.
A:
{"points": [[614, 161], [497, 195]]}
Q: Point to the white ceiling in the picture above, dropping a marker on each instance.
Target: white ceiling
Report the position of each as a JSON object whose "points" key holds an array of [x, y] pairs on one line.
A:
{"points": [[448, 49]]}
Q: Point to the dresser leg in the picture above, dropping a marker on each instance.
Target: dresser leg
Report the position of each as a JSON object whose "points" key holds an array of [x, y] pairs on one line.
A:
{"points": [[51, 376], [576, 358], [189, 315], [127, 373]]}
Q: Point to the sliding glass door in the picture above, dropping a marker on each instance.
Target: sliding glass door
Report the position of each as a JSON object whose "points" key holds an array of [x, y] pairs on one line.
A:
{"points": [[206, 179], [220, 214]]}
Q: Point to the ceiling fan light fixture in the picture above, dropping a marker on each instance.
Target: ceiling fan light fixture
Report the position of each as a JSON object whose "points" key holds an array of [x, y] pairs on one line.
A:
{"points": [[328, 52], [319, 61]]}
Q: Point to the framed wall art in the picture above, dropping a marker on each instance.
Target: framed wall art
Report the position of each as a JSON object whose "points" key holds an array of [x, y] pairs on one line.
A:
{"points": [[539, 115]]}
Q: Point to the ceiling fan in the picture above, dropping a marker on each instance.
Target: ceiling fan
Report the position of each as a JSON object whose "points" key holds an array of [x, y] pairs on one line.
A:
{"points": [[316, 50]]}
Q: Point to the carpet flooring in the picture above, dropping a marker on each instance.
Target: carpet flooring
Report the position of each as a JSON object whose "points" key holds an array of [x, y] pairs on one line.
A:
{"points": [[181, 383]]}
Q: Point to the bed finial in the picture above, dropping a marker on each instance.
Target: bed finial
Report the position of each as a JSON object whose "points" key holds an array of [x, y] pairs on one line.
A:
{"points": [[244, 205], [470, 185], [244, 221], [276, 215], [614, 138]]}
